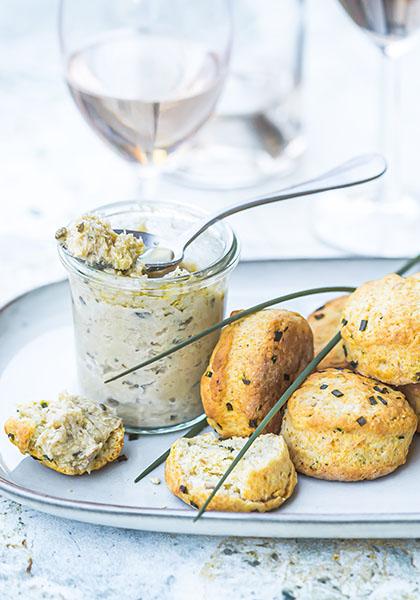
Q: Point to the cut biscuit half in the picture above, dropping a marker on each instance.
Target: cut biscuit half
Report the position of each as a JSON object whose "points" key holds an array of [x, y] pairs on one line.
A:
{"points": [[71, 434], [263, 479]]}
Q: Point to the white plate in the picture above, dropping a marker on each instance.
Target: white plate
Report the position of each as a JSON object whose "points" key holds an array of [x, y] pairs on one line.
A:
{"points": [[36, 361]]}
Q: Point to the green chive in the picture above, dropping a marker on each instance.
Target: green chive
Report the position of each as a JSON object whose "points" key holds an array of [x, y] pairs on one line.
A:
{"points": [[249, 311], [407, 266], [221, 324], [363, 325]]}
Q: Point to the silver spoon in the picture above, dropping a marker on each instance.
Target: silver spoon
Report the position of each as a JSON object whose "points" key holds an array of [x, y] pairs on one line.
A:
{"points": [[166, 255]]}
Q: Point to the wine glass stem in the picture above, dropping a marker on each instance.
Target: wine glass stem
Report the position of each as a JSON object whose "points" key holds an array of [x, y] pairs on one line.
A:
{"points": [[149, 175], [391, 129]]}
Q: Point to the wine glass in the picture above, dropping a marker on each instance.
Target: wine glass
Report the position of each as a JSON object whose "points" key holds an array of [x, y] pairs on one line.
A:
{"points": [[386, 220], [145, 74], [257, 130]]}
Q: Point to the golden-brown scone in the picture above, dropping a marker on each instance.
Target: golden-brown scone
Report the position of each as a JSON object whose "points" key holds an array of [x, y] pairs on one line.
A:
{"points": [[325, 321], [381, 329], [253, 363], [412, 393], [71, 435], [342, 426], [263, 479]]}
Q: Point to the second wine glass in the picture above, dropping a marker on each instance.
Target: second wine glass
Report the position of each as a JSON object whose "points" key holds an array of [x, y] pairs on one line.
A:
{"points": [[145, 75], [384, 221]]}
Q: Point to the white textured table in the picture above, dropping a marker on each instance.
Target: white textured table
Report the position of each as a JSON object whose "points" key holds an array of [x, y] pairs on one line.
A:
{"points": [[49, 558], [52, 168]]}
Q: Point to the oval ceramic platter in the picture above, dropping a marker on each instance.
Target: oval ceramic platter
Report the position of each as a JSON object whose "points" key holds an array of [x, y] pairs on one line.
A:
{"points": [[37, 361]]}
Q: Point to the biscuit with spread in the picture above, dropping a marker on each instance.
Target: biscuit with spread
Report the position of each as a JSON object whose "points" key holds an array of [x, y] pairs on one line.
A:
{"points": [[71, 435]]}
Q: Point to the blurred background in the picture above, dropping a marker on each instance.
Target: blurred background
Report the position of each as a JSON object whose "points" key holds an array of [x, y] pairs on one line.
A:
{"points": [[53, 167]]}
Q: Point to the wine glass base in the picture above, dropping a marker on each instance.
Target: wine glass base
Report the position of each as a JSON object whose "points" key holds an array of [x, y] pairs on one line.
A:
{"points": [[211, 161], [363, 226]]}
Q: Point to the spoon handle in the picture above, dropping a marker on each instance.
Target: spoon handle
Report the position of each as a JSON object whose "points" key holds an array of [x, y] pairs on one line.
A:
{"points": [[355, 171]]}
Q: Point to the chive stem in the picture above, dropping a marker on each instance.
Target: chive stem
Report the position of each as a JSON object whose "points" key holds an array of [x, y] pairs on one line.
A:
{"points": [[407, 266], [228, 321], [245, 313]]}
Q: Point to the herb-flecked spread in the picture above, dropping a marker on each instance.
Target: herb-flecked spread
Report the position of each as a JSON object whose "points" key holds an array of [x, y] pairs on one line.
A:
{"points": [[92, 240], [70, 430], [116, 328]]}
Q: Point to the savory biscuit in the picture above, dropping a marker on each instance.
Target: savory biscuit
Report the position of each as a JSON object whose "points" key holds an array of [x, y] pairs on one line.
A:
{"points": [[262, 480], [325, 321], [253, 363], [342, 426], [71, 435], [381, 329], [412, 393]]}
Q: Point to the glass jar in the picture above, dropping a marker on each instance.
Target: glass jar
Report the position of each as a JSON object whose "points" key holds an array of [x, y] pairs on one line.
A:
{"points": [[120, 321]]}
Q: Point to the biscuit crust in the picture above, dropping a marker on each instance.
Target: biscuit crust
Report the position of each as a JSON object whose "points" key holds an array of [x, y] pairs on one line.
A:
{"points": [[325, 321], [381, 329], [342, 426], [253, 363], [262, 480], [412, 393]]}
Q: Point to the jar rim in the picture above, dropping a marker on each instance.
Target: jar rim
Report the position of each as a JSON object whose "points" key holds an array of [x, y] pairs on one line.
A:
{"points": [[219, 267]]}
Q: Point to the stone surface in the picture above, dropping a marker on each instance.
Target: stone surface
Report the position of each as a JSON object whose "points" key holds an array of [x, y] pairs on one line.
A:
{"points": [[50, 558], [52, 168]]}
